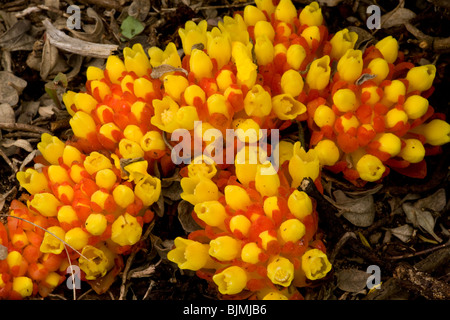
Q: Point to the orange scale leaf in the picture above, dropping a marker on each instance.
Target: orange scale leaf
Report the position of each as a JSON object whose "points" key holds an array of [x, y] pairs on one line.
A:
{"points": [[414, 170], [432, 150], [397, 163], [351, 174], [256, 284], [378, 124], [36, 273], [31, 253], [383, 156]]}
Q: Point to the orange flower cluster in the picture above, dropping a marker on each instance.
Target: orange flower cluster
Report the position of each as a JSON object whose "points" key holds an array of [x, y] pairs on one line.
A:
{"points": [[83, 210]]}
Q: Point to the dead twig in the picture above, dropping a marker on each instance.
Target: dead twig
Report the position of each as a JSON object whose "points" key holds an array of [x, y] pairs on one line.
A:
{"points": [[429, 42], [23, 127]]}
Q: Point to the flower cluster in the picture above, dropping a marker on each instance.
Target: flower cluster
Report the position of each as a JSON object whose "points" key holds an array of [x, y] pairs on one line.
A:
{"points": [[258, 239], [83, 208]]}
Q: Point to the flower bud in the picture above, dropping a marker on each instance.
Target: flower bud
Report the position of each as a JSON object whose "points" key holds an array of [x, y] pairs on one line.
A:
{"points": [[123, 196], [286, 107], [96, 224], [285, 11], [257, 102], [152, 140], [23, 286], [193, 34], [194, 93], [380, 68], [292, 230], [200, 64], [217, 103], [324, 116], [57, 174], [303, 165], [252, 15], [219, 46], [280, 271], [133, 132], [77, 238], [295, 55], [415, 106], [345, 100], [372, 93], [413, 151], [142, 87], [389, 143], [267, 181], [115, 68], [224, 248], [266, 5], [327, 152], [318, 75], [300, 204], [292, 82], [311, 15], [265, 28], [348, 121], [310, 34], [370, 168], [232, 280], [33, 181], [436, 132], [350, 65], [126, 230], [198, 189], [211, 212], [51, 148], [46, 204], [264, 50], [129, 149], [96, 162], [85, 102], [315, 264], [148, 189], [136, 60], [250, 253], [71, 155], [247, 130], [421, 78], [82, 124], [240, 223], [388, 48], [50, 243], [237, 198], [341, 42], [175, 85], [393, 92], [96, 266], [67, 214], [189, 254], [270, 204], [186, 116], [395, 116]]}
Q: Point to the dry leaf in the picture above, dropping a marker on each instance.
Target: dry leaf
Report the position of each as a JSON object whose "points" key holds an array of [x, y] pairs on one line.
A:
{"points": [[420, 218], [7, 113], [359, 211], [162, 247], [185, 217], [352, 280], [20, 143], [11, 88], [16, 37], [396, 17], [404, 232], [435, 202], [28, 111], [161, 70], [96, 32]]}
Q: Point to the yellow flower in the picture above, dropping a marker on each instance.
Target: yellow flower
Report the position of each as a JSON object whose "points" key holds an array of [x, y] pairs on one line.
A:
{"points": [[51, 148], [105, 178], [247, 130], [96, 162], [266, 179], [319, 73], [295, 55], [57, 174], [292, 230], [200, 64], [413, 151], [285, 11], [388, 48], [175, 85], [50, 243], [389, 143], [395, 116], [310, 34], [415, 106], [257, 102], [250, 253], [421, 78], [96, 224], [311, 15], [393, 92], [202, 166], [286, 107], [94, 73], [241, 223], [292, 82], [252, 15], [370, 168], [224, 248], [345, 100], [190, 254], [285, 151], [136, 170], [68, 101], [152, 140], [219, 46], [115, 68], [142, 87], [165, 114], [23, 286], [82, 124], [235, 27], [324, 115], [211, 212], [136, 60], [341, 42], [186, 117], [198, 189], [327, 152], [300, 204], [232, 280], [246, 162], [109, 131], [315, 264], [266, 237], [264, 50], [303, 165], [46, 204], [96, 264], [169, 56], [264, 28], [71, 155], [350, 65], [130, 149], [372, 90], [436, 132], [217, 103], [67, 214], [246, 69], [380, 68], [193, 34], [194, 93], [280, 271], [148, 189], [123, 196], [237, 198], [126, 230], [77, 238], [84, 102], [274, 295], [32, 180], [266, 5]]}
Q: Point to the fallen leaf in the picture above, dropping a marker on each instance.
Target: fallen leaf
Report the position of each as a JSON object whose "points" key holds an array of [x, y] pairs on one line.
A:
{"points": [[11, 88], [49, 59], [352, 280], [131, 27], [20, 143], [396, 17], [420, 218], [185, 217], [435, 202], [28, 111], [330, 3], [16, 37], [404, 232], [359, 211], [46, 111], [96, 31], [6, 113], [161, 70], [162, 247]]}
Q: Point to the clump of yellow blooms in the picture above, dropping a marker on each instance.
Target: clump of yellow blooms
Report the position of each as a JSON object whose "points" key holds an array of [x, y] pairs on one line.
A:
{"points": [[260, 70]]}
